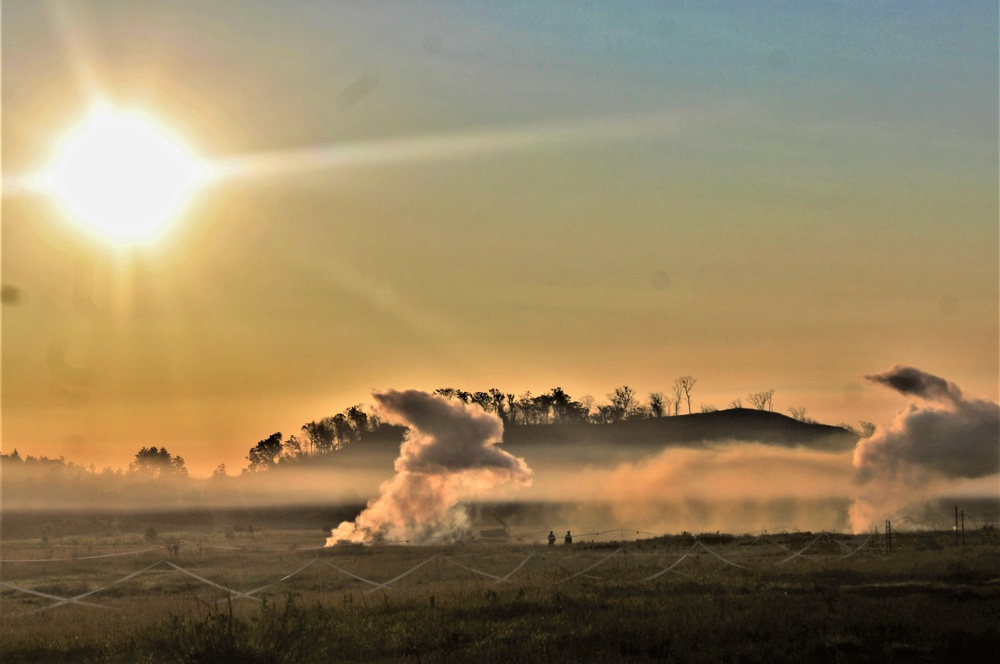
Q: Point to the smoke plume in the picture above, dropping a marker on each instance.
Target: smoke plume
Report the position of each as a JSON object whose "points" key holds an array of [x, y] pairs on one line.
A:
{"points": [[733, 486], [930, 446], [449, 454]]}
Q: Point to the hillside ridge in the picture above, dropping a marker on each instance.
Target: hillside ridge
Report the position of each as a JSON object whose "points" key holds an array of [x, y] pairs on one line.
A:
{"points": [[640, 436]]}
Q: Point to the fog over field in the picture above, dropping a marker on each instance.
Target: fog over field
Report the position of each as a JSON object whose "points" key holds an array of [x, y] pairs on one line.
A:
{"points": [[434, 462], [738, 485]]}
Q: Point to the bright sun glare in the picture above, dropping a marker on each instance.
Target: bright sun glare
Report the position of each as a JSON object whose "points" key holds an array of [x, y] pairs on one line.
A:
{"points": [[122, 174]]}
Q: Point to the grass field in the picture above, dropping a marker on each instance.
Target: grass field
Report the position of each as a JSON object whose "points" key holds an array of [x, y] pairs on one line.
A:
{"points": [[230, 593]]}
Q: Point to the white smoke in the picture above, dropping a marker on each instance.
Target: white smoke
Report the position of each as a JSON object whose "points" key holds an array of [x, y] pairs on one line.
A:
{"points": [[732, 486], [449, 454], [929, 447]]}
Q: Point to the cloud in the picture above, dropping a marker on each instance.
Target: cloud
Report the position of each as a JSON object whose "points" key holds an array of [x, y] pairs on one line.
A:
{"points": [[929, 446], [911, 381]]}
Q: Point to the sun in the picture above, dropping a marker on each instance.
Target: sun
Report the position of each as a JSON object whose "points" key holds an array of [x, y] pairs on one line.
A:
{"points": [[122, 174]]}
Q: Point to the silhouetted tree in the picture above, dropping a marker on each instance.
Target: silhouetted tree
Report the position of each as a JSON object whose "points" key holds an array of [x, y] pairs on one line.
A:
{"points": [[265, 454], [153, 462], [686, 383], [498, 400], [799, 414], [13, 457], [178, 467], [606, 414], [446, 392], [525, 409], [558, 407], [623, 403], [511, 406], [220, 472], [483, 400], [358, 419], [342, 430], [656, 404], [293, 449], [761, 400], [678, 394], [321, 435]]}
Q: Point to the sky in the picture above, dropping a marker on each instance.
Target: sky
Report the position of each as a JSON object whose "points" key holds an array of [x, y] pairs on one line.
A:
{"points": [[772, 195]]}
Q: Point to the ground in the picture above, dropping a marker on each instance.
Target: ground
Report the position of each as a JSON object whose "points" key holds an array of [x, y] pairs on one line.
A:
{"points": [[239, 588]]}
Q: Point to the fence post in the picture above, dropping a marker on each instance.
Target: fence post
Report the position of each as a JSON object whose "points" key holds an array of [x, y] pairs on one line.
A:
{"points": [[956, 525]]}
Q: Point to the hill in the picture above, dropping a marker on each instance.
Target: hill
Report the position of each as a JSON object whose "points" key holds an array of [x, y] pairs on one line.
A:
{"points": [[620, 440], [696, 430]]}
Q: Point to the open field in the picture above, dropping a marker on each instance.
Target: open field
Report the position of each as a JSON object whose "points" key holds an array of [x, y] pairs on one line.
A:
{"points": [[227, 593]]}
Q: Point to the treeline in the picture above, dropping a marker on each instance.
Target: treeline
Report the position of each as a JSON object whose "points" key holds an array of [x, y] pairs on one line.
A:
{"points": [[154, 477], [149, 463], [352, 425], [553, 407]]}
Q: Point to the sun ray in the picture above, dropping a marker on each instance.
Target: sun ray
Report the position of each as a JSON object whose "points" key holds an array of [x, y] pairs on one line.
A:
{"points": [[446, 147]]}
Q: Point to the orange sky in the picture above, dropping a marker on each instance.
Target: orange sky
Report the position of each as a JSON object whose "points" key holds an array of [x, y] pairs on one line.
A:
{"points": [[514, 197]]}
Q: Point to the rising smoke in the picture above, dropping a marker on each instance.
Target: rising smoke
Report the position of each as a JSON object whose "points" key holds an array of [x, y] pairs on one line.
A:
{"points": [[732, 486], [449, 454], [929, 447]]}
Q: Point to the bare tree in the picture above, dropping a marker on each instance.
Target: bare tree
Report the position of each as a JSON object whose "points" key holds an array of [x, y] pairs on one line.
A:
{"points": [[678, 395], [736, 403], [708, 408], [799, 414], [847, 426], [686, 383], [761, 400]]}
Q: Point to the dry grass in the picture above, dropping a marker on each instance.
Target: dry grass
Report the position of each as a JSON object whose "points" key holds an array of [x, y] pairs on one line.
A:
{"points": [[928, 600]]}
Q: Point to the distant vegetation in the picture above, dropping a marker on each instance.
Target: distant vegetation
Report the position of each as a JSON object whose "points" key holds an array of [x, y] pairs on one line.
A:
{"points": [[156, 474], [555, 407]]}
